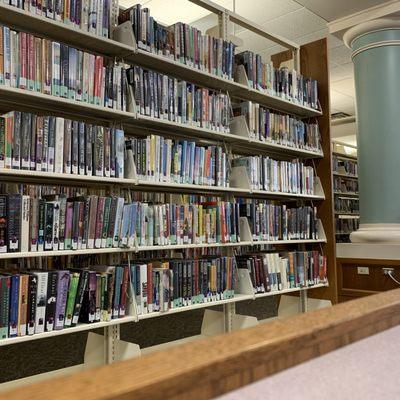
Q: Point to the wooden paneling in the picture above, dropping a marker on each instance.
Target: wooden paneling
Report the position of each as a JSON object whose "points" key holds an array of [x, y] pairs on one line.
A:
{"points": [[351, 284], [211, 367]]}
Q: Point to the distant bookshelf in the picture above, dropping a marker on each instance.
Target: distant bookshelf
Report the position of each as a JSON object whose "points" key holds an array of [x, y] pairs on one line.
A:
{"points": [[345, 182]]}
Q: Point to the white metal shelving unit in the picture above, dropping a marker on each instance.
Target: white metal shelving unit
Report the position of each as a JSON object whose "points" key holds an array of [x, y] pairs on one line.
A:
{"points": [[239, 140]]}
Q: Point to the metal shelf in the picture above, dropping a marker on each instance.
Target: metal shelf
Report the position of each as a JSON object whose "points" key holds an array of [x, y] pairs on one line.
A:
{"points": [[347, 176], [291, 290], [55, 253]]}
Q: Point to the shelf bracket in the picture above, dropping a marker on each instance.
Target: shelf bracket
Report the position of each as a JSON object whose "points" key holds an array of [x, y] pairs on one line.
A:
{"points": [[111, 336], [229, 313], [303, 301]]}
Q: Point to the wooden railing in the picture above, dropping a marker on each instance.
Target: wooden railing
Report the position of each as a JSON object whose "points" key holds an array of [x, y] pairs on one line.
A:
{"points": [[211, 367]]}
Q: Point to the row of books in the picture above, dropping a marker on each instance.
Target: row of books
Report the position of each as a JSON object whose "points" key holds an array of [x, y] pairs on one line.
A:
{"points": [[346, 226], [268, 125], [45, 66], [345, 205], [90, 16], [273, 221], [271, 272], [33, 302], [164, 285], [272, 175], [158, 159], [161, 96], [180, 42], [57, 222], [281, 82], [54, 144], [345, 166], [345, 185]]}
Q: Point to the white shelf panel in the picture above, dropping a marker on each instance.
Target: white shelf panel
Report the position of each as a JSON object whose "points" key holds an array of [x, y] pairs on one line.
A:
{"points": [[280, 148], [26, 21], [298, 241], [235, 299], [291, 290], [288, 195], [11, 97], [69, 178], [55, 253], [348, 176], [348, 194], [78, 328]]}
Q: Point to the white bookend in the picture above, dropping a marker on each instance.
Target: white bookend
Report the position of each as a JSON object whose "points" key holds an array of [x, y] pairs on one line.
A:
{"points": [[245, 231], [318, 189], [241, 76], [239, 178], [124, 34], [244, 285], [321, 231], [238, 126], [129, 166], [25, 205]]}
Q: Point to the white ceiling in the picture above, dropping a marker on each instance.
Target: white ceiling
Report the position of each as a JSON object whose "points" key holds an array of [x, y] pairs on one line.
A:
{"points": [[301, 21]]}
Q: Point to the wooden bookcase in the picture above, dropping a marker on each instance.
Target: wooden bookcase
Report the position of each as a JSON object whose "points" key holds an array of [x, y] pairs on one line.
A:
{"points": [[311, 60]]}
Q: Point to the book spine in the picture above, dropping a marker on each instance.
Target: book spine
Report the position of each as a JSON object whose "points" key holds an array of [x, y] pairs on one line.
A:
{"points": [[3, 224], [32, 293], [72, 293], [14, 306], [51, 300], [41, 300], [62, 296], [82, 287]]}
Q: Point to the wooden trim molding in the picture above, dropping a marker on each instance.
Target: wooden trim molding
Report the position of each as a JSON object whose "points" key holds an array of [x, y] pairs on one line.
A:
{"points": [[213, 366]]}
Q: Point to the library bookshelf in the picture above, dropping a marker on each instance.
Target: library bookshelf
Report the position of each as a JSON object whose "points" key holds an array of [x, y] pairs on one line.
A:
{"points": [[310, 60], [346, 221]]}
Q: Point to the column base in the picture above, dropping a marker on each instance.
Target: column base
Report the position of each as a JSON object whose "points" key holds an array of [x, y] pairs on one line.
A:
{"points": [[376, 233]]}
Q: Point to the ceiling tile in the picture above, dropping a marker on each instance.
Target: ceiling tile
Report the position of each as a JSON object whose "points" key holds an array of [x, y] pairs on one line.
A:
{"points": [[261, 11], [344, 86], [340, 54], [340, 72]]}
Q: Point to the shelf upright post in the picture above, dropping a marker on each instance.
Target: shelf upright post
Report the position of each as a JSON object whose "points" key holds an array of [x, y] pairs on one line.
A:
{"points": [[303, 307], [111, 335]]}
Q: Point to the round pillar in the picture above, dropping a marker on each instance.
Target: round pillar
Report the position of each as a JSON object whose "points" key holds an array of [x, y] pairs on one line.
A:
{"points": [[376, 57]]}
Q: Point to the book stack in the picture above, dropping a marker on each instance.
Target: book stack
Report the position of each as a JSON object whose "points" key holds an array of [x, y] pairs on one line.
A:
{"points": [[90, 16], [346, 226], [57, 222], [179, 161], [344, 185], [161, 96], [284, 83], [284, 129], [272, 221], [272, 272], [346, 206], [272, 175], [345, 166], [163, 285], [54, 144], [33, 302], [180, 42], [45, 66]]}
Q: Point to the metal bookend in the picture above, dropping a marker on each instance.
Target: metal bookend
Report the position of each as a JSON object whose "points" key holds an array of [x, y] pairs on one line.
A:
{"points": [[238, 126], [239, 178]]}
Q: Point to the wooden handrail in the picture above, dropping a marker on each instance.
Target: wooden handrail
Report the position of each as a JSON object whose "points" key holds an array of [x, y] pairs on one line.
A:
{"points": [[213, 366]]}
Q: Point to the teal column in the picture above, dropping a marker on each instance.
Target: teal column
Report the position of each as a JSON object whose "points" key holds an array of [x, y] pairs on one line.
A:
{"points": [[376, 57]]}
